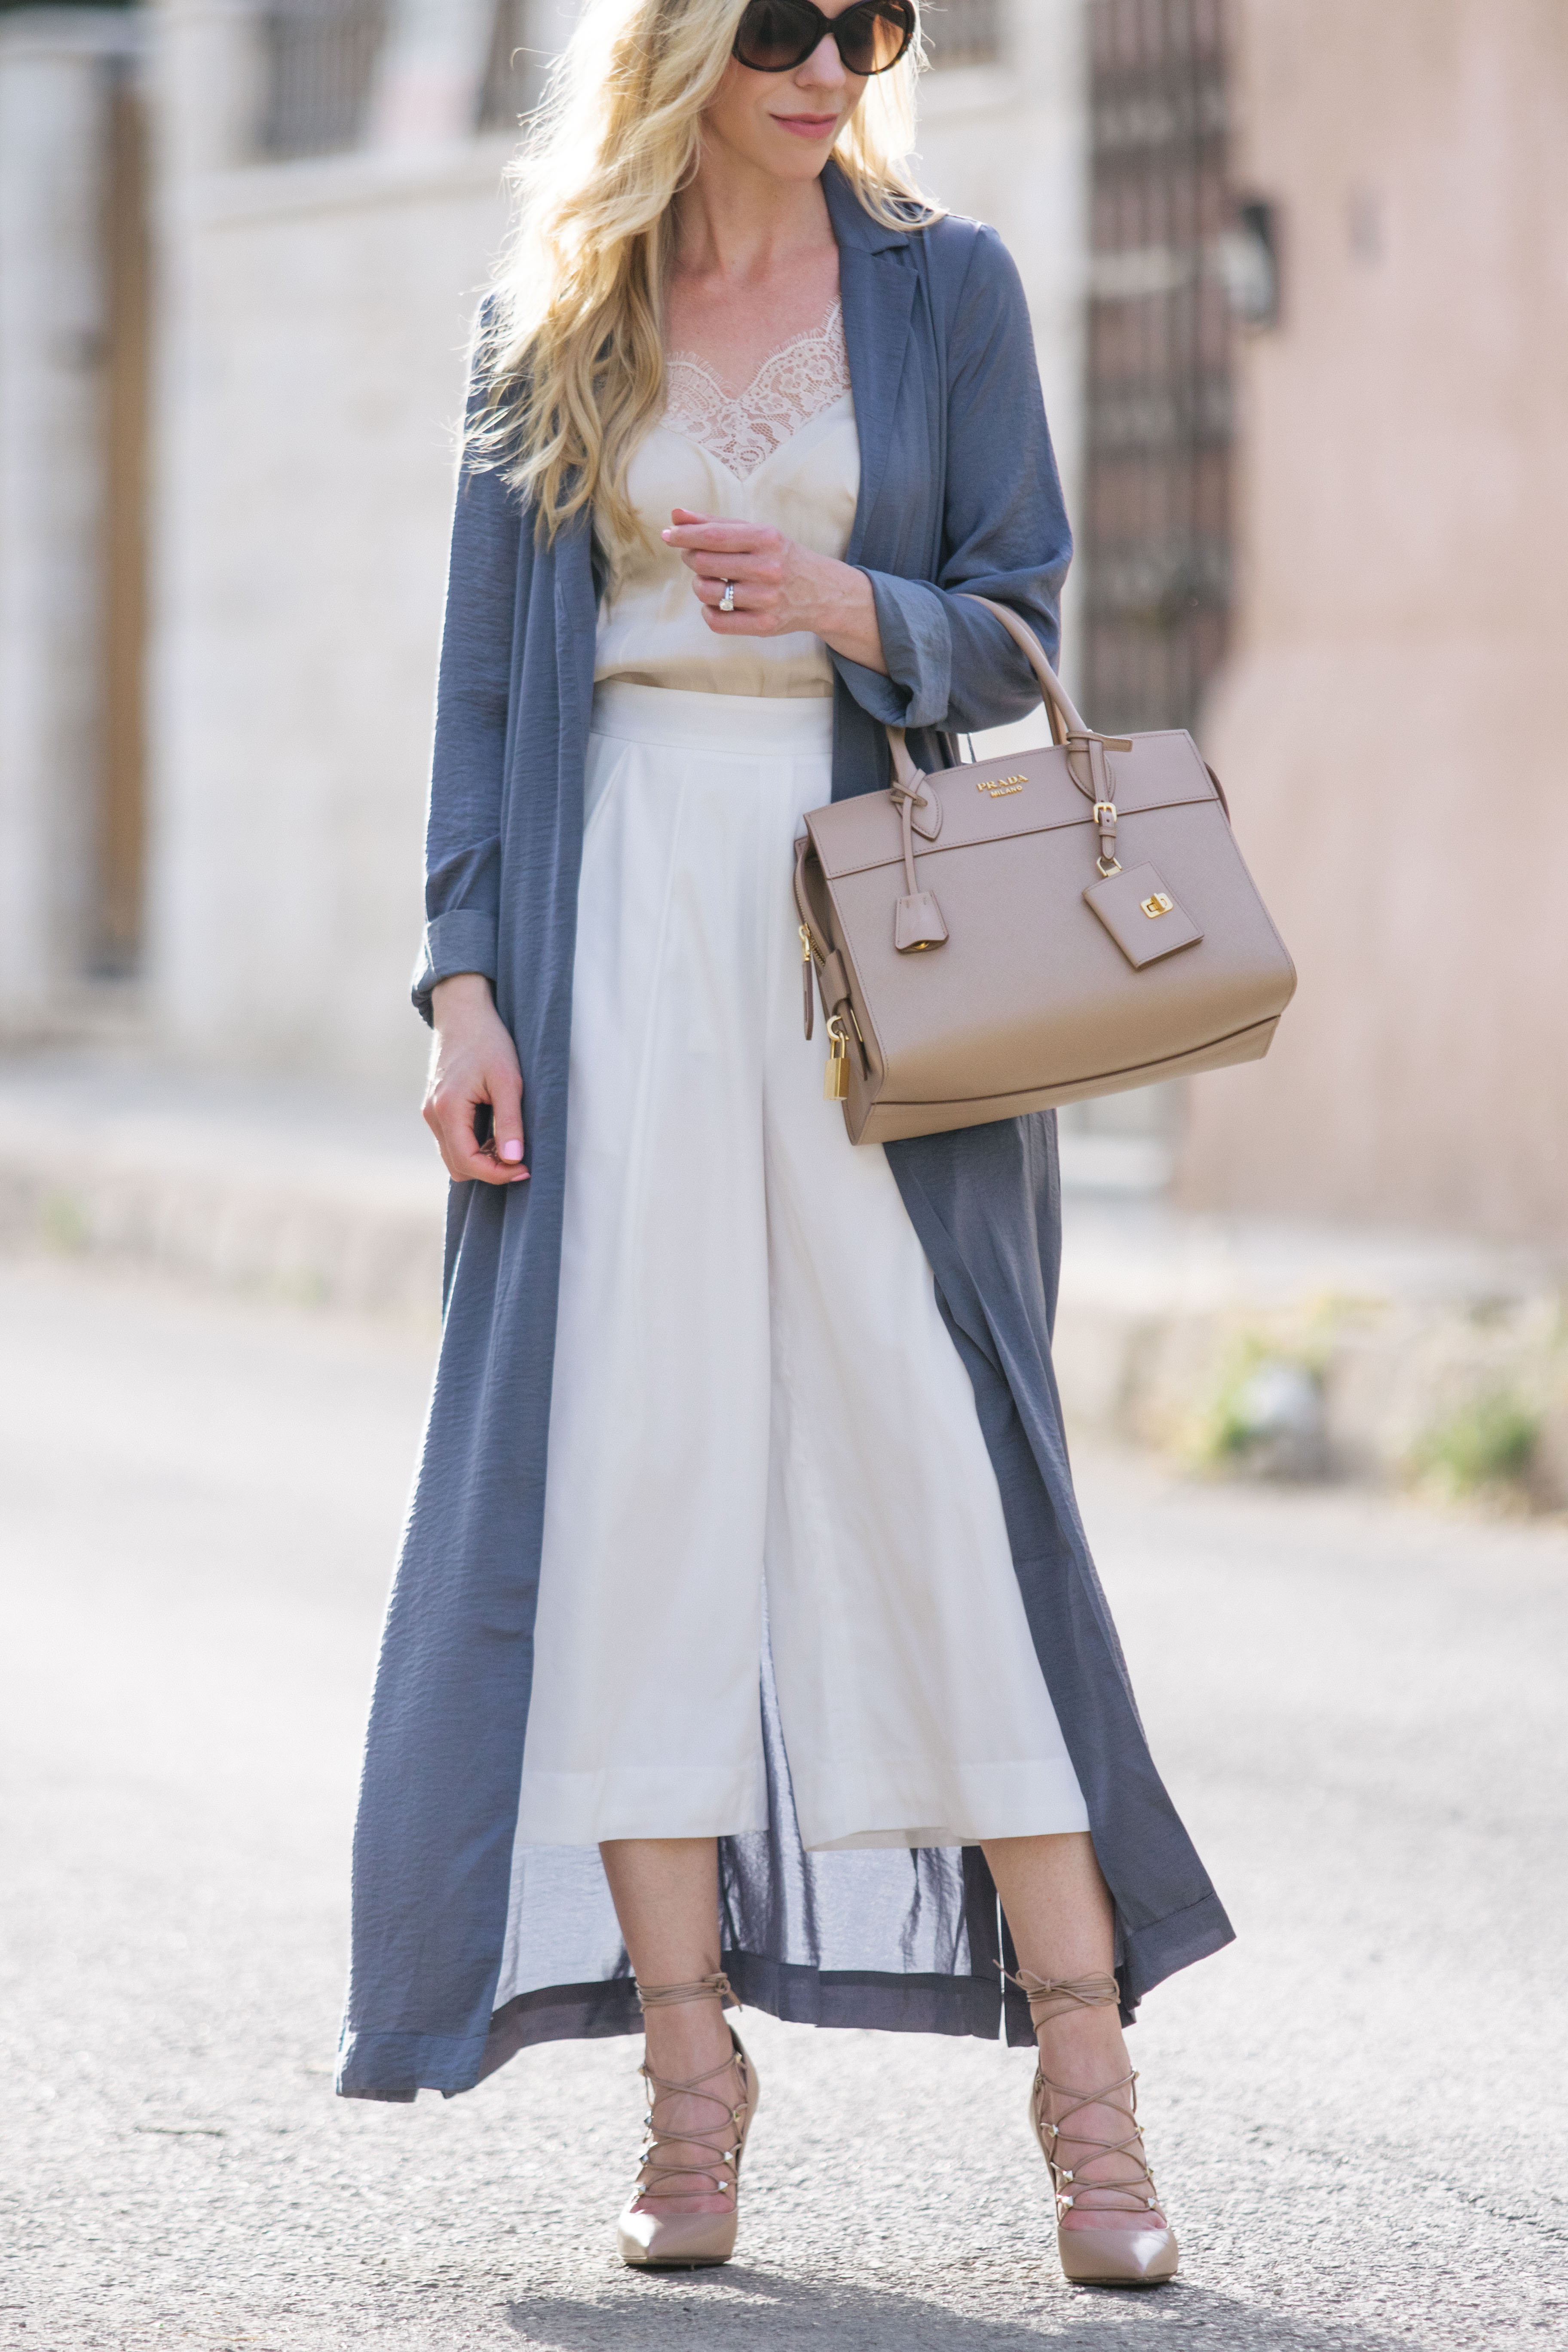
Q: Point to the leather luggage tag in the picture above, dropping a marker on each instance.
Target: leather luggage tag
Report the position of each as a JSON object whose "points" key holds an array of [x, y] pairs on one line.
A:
{"points": [[1140, 914]]}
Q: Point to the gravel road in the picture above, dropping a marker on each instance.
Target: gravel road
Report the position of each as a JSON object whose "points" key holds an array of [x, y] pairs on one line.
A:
{"points": [[1356, 2113]]}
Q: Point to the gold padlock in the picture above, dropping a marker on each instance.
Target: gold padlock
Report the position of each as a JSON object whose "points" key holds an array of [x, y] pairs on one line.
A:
{"points": [[835, 1076]]}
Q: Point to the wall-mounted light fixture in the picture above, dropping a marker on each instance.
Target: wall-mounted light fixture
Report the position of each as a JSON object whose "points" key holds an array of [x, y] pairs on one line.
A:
{"points": [[1249, 262]]}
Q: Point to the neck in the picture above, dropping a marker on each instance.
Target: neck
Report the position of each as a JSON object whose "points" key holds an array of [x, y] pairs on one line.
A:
{"points": [[738, 223]]}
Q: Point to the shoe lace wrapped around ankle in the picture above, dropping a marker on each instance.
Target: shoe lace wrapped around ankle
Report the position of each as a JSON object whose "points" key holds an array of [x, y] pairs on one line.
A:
{"points": [[729, 2123], [1050, 1998], [713, 1987]]}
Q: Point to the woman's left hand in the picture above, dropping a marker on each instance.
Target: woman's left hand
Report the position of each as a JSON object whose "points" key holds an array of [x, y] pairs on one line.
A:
{"points": [[780, 586]]}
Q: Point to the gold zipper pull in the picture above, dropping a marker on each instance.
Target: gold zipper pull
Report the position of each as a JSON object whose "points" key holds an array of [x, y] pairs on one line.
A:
{"points": [[808, 1008], [835, 1076]]}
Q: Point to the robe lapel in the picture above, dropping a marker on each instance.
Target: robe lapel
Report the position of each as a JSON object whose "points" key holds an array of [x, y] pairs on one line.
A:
{"points": [[876, 286], [879, 292]]}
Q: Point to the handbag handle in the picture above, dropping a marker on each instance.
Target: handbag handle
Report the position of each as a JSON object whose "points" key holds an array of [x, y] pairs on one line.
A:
{"points": [[1068, 729], [1061, 709], [1065, 720]]}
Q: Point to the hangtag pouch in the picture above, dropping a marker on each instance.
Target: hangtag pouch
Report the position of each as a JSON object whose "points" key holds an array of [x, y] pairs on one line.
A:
{"points": [[1140, 914]]}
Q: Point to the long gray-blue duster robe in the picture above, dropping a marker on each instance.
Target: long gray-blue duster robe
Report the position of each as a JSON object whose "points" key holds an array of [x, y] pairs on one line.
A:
{"points": [[958, 489]]}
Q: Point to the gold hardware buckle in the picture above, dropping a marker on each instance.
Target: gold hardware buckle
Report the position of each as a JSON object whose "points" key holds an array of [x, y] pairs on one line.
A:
{"points": [[836, 1075], [1156, 904]]}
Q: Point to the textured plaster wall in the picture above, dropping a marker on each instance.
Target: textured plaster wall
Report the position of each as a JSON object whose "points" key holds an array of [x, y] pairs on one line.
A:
{"points": [[313, 370], [1391, 724], [53, 100]]}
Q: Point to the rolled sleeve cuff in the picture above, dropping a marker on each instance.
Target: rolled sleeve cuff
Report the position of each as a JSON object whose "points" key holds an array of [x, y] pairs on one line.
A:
{"points": [[453, 943], [917, 645]]}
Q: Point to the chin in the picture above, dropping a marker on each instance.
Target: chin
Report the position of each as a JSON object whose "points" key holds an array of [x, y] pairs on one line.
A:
{"points": [[799, 159]]}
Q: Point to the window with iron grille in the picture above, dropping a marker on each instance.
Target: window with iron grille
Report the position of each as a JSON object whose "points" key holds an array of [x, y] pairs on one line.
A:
{"points": [[1157, 513], [1154, 518], [962, 32], [319, 57]]}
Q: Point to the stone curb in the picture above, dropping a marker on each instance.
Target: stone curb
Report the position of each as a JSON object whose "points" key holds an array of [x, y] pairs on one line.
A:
{"points": [[1258, 1348], [1253, 1347], [255, 1196]]}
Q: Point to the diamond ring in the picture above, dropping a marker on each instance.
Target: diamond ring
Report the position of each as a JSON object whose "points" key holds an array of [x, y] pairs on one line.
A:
{"points": [[727, 601]]}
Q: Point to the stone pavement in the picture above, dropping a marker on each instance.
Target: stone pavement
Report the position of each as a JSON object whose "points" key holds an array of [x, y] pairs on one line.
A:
{"points": [[1356, 2111]]}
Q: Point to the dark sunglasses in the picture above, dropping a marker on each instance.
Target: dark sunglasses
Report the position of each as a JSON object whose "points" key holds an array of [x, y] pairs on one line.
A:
{"points": [[776, 36]]}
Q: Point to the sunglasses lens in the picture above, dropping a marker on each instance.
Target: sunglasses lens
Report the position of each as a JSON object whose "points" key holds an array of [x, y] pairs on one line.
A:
{"points": [[775, 36], [874, 34]]}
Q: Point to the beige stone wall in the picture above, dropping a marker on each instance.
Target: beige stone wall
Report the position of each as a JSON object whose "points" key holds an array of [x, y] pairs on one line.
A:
{"points": [[54, 308], [1390, 723], [313, 373]]}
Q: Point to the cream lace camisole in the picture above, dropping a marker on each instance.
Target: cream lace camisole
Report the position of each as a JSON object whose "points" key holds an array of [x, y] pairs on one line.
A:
{"points": [[784, 451]]}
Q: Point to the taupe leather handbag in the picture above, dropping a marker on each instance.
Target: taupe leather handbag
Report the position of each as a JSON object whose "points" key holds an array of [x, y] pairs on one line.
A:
{"points": [[1031, 930]]}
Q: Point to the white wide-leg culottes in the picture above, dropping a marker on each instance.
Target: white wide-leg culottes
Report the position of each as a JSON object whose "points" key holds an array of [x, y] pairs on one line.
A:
{"points": [[757, 1411]]}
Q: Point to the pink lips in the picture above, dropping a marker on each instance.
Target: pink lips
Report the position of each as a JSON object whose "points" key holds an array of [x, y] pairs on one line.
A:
{"points": [[808, 126]]}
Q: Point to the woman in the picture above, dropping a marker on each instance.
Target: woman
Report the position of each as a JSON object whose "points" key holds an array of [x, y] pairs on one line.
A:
{"points": [[744, 1628]]}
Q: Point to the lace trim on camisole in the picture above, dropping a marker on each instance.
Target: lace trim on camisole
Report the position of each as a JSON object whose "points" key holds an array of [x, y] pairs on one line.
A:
{"points": [[743, 429]]}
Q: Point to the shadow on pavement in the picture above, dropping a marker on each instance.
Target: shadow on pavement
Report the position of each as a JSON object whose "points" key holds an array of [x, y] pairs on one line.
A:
{"points": [[775, 2311]]}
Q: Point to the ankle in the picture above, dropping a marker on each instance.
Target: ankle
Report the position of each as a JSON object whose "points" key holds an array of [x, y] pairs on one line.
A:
{"points": [[681, 2044], [684, 2032], [1083, 2050]]}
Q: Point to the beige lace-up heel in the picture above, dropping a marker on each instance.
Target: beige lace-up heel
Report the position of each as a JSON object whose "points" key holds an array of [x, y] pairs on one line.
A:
{"points": [[653, 2241], [1121, 2254]]}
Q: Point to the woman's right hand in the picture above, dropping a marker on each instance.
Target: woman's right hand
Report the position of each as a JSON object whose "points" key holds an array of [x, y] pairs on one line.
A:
{"points": [[474, 1061]]}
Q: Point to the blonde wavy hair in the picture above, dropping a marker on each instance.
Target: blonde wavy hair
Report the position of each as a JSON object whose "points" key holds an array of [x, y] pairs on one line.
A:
{"points": [[570, 362]]}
